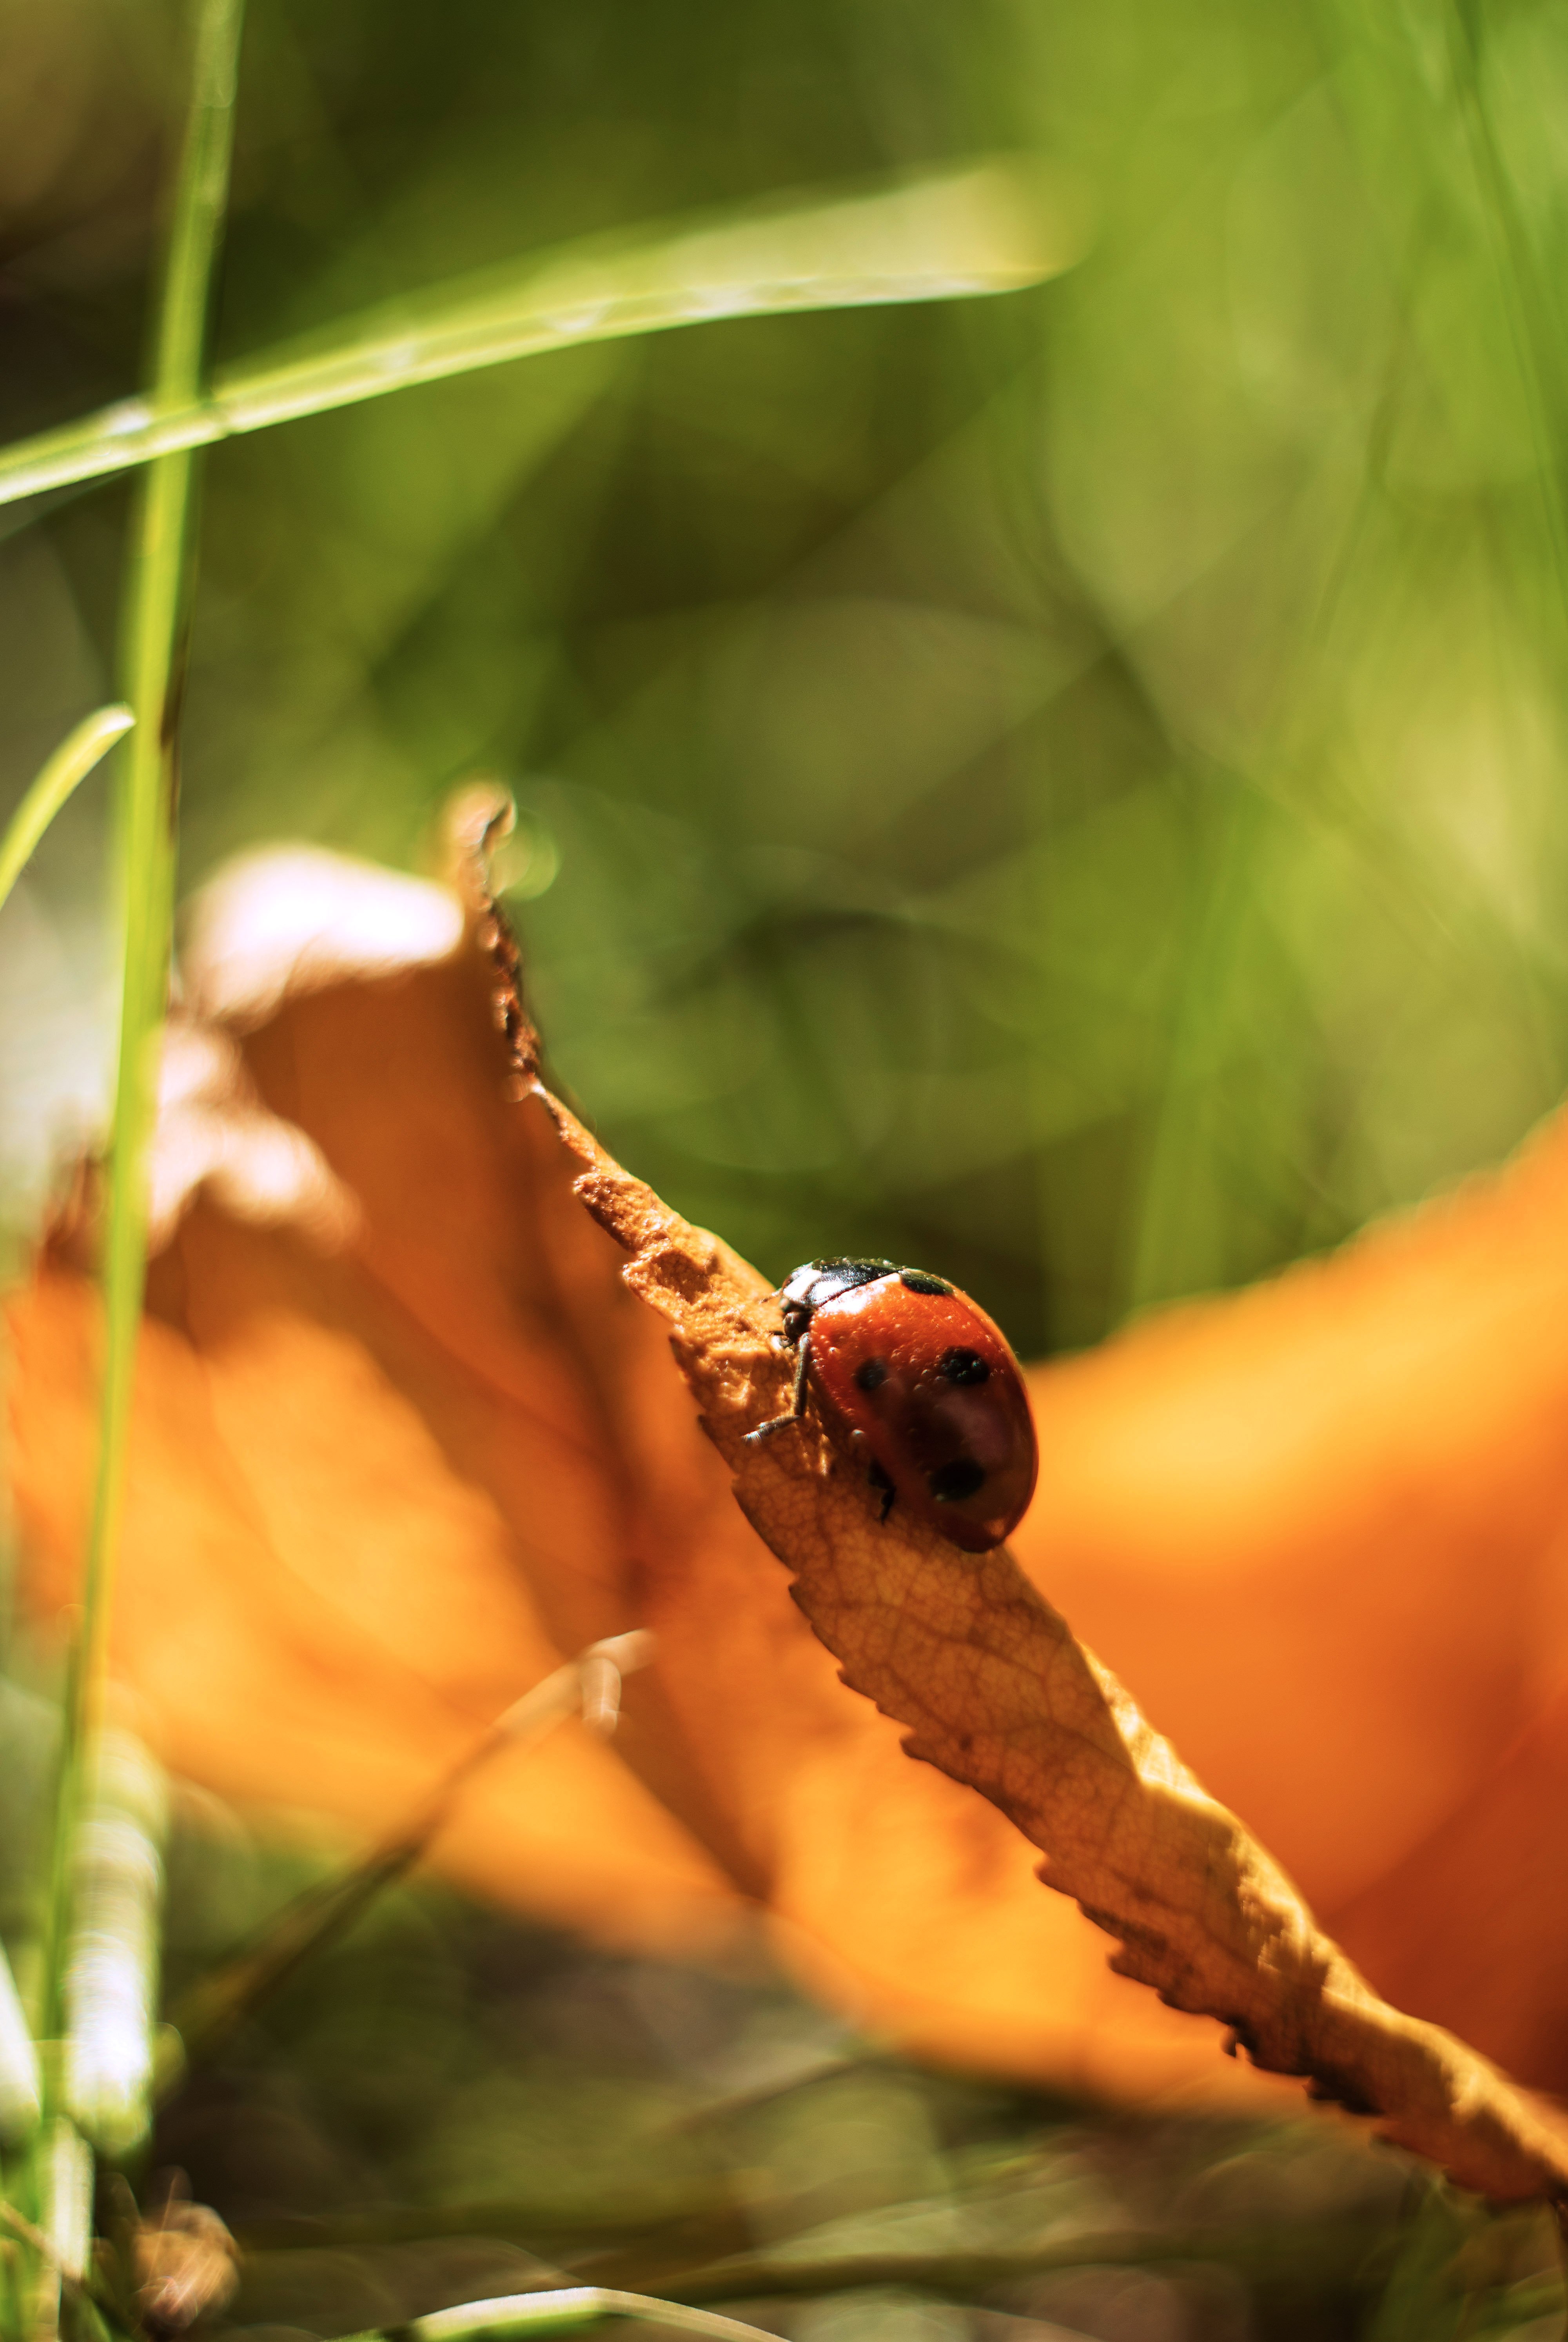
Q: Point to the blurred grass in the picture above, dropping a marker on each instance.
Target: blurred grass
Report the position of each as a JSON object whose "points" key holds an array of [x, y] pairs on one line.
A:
{"points": [[1063, 790], [152, 632], [64, 771], [990, 229], [448, 2103], [1066, 790]]}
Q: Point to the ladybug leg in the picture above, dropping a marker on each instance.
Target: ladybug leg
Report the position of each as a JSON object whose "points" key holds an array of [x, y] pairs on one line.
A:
{"points": [[879, 1481], [797, 1409]]}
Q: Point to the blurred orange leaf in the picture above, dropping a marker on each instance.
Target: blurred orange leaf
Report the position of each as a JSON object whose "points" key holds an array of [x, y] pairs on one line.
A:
{"points": [[403, 1439]]}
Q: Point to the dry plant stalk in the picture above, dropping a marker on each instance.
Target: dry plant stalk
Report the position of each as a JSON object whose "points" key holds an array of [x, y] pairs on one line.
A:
{"points": [[997, 1693]]}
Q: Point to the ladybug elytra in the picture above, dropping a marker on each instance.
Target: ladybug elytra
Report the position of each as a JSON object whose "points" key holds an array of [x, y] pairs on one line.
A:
{"points": [[914, 1379]]}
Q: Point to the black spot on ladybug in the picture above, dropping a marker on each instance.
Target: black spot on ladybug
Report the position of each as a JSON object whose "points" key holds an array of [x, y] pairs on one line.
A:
{"points": [[920, 1280], [949, 1483], [963, 1367], [871, 1374]]}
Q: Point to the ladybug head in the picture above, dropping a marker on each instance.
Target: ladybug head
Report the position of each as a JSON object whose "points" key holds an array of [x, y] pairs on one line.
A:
{"points": [[817, 1282]]}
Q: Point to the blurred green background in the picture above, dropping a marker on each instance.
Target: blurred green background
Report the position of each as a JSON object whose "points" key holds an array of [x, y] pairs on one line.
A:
{"points": [[1062, 788]]}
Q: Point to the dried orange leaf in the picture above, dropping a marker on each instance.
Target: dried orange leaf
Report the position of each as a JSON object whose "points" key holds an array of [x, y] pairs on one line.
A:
{"points": [[998, 1694], [314, 1610], [403, 1436], [424, 1440]]}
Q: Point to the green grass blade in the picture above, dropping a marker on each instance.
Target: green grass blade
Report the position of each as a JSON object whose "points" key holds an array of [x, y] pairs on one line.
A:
{"points": [[989, 229], [557, 2311], [112, 1970], [153, 628], [21, 2100], [65, 2227], [69, 766], [200, 200]]}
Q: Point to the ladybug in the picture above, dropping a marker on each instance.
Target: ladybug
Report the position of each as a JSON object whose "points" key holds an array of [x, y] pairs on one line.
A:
{"points": [[910, 1377]]}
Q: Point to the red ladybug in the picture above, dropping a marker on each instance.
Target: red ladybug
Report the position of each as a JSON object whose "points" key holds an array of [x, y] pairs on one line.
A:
{"points": [[909, 1375]]}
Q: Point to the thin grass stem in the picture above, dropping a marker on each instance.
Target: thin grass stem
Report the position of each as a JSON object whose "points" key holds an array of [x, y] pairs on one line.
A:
{"points": [[63, 2237], [221, 2000], [21, 2091], [69, 766], [153, 665], [985, 230], [557, 2311], [112, 1967]]}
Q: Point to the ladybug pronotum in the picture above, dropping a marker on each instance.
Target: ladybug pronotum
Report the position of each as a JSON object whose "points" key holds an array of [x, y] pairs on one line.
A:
{"points": [[915, 1381]]}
